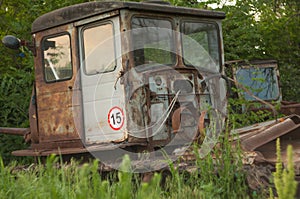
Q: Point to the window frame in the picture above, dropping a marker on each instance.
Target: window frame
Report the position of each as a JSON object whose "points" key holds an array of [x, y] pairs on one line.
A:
{"points": [[82, 45], [174, 38], [204, 22], [43, 57]]}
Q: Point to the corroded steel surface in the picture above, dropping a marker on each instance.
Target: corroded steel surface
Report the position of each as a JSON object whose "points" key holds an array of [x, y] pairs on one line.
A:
{"points": [[33, 119], [75, 150], [278, 129], [89, 9], [14, 131], [289, 108], [259, 141], [55, 101]]}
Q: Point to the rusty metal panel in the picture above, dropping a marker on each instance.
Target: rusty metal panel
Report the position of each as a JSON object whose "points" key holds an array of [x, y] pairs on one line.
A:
{"points": [[89, 9], [279, 129], [289, 108], [97, 18], [14, 131], [73, 150], [144, 107], [259, 141], [48, 151], [34, 136], [55, 100], [102, 95], [59, 104]]}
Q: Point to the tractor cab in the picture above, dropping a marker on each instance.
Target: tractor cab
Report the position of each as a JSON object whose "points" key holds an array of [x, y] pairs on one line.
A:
{"points": [[124, 74]]}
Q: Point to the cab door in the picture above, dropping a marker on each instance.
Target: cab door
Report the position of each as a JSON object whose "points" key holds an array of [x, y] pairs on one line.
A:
{"points": [[102, 94], [55, 76]]}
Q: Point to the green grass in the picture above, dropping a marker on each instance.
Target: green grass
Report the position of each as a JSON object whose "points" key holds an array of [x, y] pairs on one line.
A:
{"points": [[284, 178], [218, 177], [219, 174]]}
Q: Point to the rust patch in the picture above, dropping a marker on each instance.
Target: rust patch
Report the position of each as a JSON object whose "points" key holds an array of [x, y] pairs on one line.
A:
{"points": [[259, 144]]}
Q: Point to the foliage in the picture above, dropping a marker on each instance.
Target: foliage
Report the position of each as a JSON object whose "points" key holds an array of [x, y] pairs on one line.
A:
{"points": [[16, 66], [218, 177], [284, 179], [15, 88], [266, 29], [282, 42], [221, 173], [241, 115], [261, 29]]}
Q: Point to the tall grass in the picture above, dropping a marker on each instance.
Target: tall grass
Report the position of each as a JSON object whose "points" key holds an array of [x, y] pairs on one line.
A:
{"points": [[284, 178], [220, 176]]}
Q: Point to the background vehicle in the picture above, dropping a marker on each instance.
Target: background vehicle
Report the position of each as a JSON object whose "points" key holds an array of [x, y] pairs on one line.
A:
{"points": [[261, 78]]}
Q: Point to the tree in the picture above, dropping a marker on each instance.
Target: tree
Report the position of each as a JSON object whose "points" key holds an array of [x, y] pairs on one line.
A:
{"points": [[16, 66], [257, 29], [279, 27]]}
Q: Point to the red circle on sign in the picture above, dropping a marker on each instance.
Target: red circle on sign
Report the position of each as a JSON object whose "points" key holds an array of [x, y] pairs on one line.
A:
{"points": [[116, 118]]}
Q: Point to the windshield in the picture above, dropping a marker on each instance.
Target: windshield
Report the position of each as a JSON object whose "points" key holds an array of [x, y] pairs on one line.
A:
{"points": [[200, 45], [262, 82], [152, 41]]}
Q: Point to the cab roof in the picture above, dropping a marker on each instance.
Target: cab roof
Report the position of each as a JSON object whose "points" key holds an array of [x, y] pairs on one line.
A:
{"points": [[84, 10]]}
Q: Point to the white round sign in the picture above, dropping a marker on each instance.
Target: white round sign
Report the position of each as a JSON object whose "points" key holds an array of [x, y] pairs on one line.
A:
{"points": [[116, 118]]}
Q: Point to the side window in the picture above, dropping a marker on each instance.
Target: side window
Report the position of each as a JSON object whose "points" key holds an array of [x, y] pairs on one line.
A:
{"points": [[57, 58], [99, 49]]}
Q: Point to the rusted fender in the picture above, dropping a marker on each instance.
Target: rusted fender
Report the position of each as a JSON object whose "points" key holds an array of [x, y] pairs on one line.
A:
{"points": [[259, 141], [278, 129], [14, 131]]}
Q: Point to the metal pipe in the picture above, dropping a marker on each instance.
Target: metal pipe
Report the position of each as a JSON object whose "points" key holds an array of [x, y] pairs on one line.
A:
{"points": [[14, 131]]}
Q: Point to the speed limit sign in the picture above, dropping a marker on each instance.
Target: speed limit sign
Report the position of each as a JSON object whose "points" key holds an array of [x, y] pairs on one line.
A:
{"points": [[116, 118]]}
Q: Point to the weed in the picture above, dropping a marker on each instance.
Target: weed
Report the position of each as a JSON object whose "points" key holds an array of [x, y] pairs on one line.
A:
{"points": [[284, 179], [218, 175]]}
